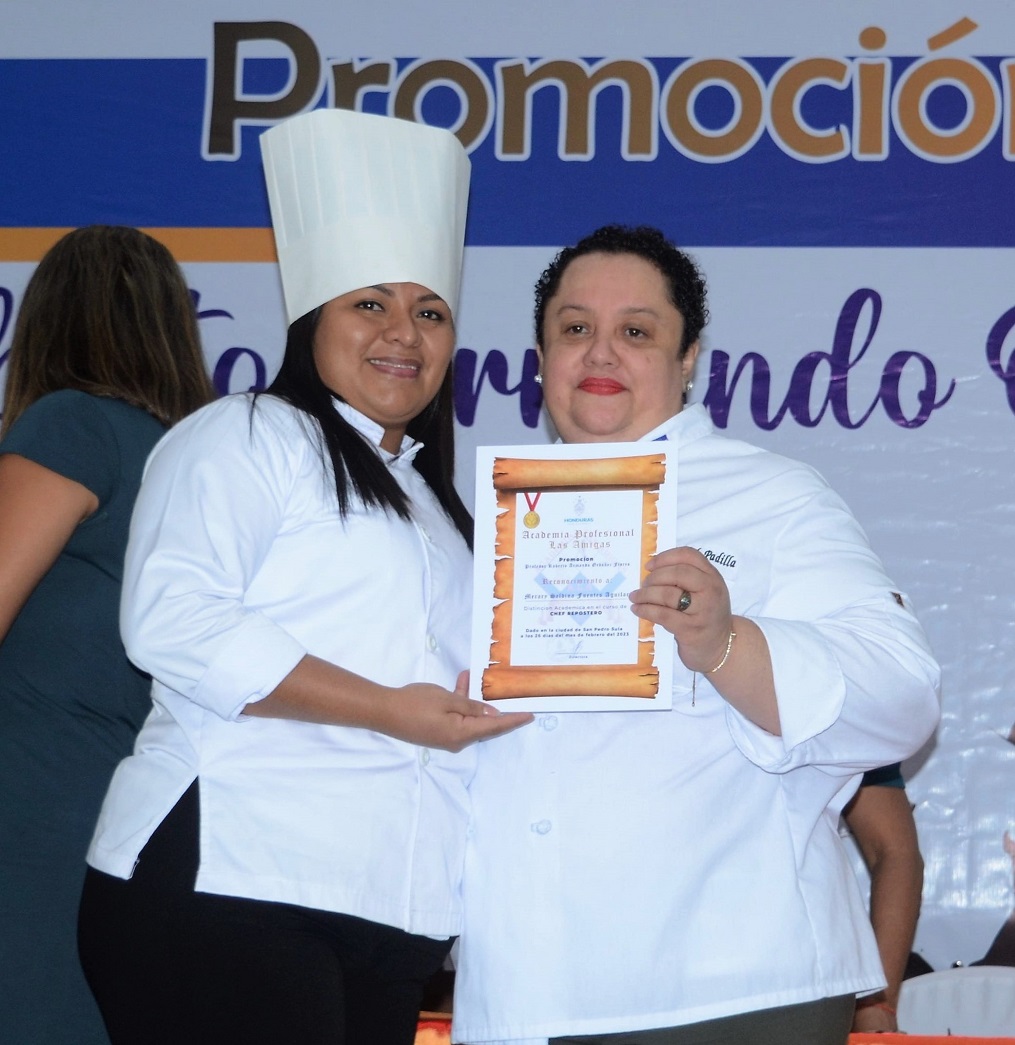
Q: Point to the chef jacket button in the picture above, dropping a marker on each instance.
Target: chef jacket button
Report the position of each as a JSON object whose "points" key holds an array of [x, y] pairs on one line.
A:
{"points": [[424, 757], [431, 641], [549, 722], [542, 827]]}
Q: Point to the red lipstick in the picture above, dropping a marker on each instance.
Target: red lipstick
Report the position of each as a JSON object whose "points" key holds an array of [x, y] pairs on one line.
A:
{"points": [[601, 386]]}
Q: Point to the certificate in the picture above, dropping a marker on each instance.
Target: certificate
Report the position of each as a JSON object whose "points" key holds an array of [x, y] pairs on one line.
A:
{"points": [[563, 534]]}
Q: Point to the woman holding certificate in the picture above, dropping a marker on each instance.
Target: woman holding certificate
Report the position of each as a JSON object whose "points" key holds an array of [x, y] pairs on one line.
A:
{"points": [[279, 860], [671, 877]]}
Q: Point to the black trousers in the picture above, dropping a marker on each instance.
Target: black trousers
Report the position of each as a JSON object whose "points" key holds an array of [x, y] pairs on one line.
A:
{"points": [[824, 1022], [171, 966]]}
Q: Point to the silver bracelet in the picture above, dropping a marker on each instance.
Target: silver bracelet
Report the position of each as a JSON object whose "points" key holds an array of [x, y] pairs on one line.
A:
{"points": [[726, 655]]}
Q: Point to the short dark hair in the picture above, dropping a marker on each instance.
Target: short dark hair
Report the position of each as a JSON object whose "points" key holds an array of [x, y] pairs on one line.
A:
{"points": [[684, 282], [107, 311], [356, 466]]}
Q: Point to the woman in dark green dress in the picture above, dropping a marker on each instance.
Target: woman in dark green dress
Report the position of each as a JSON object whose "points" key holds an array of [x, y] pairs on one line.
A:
{"points": [[105, 356]]}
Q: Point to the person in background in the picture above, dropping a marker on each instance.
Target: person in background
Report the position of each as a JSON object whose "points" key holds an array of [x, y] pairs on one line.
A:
{"points": [[1002, 947], [880, 818], [280, 859], [677, 876], [105, 356]]}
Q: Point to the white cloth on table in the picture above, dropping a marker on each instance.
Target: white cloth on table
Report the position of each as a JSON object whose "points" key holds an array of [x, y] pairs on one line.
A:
{"points": [[976, 1000]]}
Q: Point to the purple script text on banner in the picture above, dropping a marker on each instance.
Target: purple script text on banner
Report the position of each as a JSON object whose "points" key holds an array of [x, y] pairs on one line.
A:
{"points": [[495, 368], [995, 343], [840, 361]]}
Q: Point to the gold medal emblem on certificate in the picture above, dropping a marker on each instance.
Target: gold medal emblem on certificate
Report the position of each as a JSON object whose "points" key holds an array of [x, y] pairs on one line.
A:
{"points": [[531, 520]]}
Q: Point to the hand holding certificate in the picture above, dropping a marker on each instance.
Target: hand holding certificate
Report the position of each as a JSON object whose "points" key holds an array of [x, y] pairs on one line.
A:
{"points": [[563, 534]]}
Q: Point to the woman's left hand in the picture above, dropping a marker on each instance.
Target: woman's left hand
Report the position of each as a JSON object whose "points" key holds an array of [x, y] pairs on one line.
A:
{"points": [[703, 627], [684, 593]]}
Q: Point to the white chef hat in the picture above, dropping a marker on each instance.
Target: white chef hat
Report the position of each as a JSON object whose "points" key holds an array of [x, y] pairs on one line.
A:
{"points": [[358, 199]]}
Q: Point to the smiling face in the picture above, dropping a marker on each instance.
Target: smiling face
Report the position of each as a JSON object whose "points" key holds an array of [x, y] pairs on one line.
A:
{"points": [[611, 362], [384, 350]]}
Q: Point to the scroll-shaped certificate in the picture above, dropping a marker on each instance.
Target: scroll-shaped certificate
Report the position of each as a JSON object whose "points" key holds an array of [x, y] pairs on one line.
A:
{"points": [[563, 534]]}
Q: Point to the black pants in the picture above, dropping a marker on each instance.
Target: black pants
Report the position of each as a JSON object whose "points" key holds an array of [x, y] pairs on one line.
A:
{"points": [[824, 1022], [170, 966]]}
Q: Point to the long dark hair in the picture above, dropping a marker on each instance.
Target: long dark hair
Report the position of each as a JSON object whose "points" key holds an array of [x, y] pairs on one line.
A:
{"points": [[107, 311], [357, 467]]}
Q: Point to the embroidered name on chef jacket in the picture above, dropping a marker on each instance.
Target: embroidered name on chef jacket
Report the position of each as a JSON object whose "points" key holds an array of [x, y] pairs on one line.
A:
{"points": [[719, 558]]}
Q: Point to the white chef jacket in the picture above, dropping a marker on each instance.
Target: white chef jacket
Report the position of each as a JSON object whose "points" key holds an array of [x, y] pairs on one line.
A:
{"points": [[632, 870], [238, 565]]}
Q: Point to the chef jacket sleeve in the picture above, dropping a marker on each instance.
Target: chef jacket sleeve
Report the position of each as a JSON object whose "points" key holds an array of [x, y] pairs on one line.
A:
{"points": [[210, 504], [855, 680]]}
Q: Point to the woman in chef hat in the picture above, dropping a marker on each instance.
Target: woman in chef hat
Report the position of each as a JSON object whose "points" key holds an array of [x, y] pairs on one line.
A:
{"points": [[279, 860]]}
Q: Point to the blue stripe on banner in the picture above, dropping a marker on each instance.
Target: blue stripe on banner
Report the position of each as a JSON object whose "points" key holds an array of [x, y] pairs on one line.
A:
{"points": [[121, 141]]}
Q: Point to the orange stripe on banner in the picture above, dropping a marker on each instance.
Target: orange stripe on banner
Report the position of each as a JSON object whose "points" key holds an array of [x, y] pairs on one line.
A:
{"points": [[218, 244]]}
